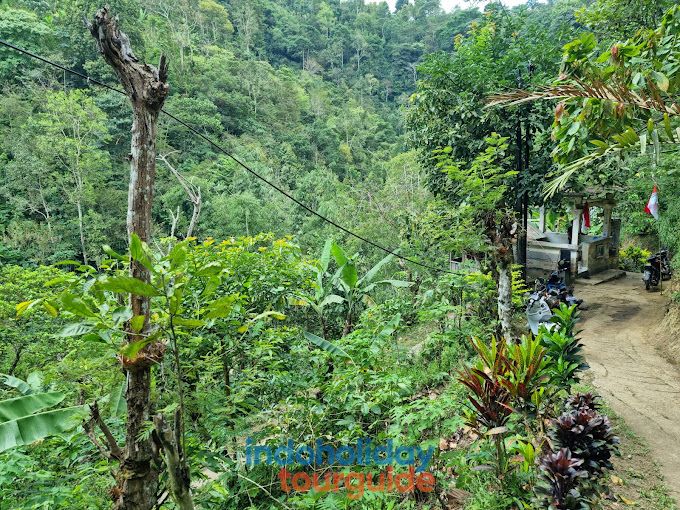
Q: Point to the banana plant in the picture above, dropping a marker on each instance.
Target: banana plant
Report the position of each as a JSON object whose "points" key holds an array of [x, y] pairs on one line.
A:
{"points": [[356, 289], [323, 290], [31, 417]]}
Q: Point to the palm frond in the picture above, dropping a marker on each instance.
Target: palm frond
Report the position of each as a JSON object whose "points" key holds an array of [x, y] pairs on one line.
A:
{"points": [[582, 90]]}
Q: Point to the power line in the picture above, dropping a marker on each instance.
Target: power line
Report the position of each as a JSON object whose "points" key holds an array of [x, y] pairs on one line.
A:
{"points": [[221, 149]]}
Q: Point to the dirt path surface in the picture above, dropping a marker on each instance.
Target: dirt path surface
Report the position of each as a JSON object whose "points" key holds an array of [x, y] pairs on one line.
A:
{"points": [[620, 334]]}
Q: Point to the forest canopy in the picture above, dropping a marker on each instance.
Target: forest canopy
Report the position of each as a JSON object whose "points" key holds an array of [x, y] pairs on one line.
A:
{"points": [[151, 339]]}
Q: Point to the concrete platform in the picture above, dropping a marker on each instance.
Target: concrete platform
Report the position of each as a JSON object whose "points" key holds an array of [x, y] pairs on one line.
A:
{"points": [[602, 277]]}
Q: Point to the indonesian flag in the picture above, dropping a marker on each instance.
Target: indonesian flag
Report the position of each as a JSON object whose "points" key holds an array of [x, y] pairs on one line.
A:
{"points": [[652, 206]]}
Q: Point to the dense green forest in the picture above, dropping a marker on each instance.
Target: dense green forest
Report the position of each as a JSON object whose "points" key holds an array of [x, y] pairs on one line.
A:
{"points": [[249, 321]]}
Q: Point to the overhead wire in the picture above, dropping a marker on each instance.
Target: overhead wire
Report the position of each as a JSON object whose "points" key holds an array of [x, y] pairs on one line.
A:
{"points": [[224, 151]]}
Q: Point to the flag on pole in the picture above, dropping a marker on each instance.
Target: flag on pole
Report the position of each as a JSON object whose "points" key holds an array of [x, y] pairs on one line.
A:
{"points": [[652, 206]]}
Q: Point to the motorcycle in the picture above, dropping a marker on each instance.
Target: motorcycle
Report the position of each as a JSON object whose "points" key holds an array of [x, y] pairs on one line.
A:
{"points": [[557, 286], [658, 269], [548, 295], [539, 310]]}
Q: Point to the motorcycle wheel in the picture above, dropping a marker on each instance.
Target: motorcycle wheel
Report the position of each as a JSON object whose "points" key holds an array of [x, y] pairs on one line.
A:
{"points": [[647, 285]]}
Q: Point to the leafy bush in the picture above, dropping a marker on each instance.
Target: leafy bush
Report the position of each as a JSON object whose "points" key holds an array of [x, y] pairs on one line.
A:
{"points": [[633, 258], [559, 480], [563, 349], [571, 477], [589, 436]]}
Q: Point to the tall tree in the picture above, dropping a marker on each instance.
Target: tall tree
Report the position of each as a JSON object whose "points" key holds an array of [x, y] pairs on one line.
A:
{"points": [[71, 131], [612, 101], [147, 88], [481, 195]]}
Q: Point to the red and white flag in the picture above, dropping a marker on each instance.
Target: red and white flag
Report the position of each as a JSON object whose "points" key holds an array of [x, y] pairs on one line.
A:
{"points": [[652, 206]]}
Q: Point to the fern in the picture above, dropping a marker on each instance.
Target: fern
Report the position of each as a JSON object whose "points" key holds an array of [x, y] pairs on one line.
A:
{"points": [[519, 286], [330, 502]]}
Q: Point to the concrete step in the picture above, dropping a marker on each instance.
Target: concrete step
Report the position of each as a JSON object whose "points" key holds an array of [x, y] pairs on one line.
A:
{"points": [[603, 277]]}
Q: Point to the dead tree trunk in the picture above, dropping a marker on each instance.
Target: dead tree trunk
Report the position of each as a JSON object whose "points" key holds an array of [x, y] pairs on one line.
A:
{"points": [[147, 88]]}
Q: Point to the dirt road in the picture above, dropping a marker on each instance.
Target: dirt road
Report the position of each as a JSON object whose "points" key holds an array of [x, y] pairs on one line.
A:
{"points": [[620, 334]]}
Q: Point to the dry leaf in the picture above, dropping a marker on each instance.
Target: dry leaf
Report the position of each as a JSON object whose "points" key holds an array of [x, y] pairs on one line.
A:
{"points": [[616, 480]]}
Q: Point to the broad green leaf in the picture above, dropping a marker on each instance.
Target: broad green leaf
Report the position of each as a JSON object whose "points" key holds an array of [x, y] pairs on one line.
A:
{"points": [[50, 308], [75, 329], [132, 349], [14, 382], [76, 305], [331, 298], [188, 323], [221, 307], [338, 254], [114, 254], [128, 285], [27, 430], [667, 127], [349, 274], [368, 277], [137, 323], [121, 315], [210, 269], [19, 407], [327, 346], [178, 255], [117, 402], [139, 252], [326, 254]]}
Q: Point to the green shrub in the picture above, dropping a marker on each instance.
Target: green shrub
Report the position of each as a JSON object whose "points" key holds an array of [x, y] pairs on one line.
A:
{"points": [[633, 258]]}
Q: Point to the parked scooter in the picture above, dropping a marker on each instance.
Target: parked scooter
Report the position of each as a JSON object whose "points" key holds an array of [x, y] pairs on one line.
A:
{"points": [[539, 308], [658, 269], [555, 286], [548, 295]]}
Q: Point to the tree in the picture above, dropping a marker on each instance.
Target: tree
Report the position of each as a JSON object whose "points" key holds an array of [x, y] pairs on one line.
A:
{"points": [[448, 107], [612, 100], [71, 130], [147, 88], [481, 194]]}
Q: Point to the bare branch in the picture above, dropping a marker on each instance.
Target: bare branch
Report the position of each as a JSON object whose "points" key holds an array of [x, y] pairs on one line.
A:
{"points": [[115, 450], [192, 191]]}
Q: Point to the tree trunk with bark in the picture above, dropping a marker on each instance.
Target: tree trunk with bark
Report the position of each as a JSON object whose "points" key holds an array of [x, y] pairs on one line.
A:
{"points": [[81, 229], [147, 88], [502, 232], [504, 288]]}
